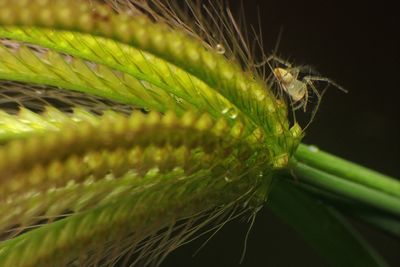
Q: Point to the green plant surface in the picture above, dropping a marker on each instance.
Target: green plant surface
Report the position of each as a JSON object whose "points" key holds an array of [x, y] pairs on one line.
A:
{"points": [[314, 157], [202, 146], [351, 190], [243, 90], [322, 227]]}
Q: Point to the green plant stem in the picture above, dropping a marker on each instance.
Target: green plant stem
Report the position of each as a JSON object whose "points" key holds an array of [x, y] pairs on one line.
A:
{"points": [[349, 189], [321, 160], [345, 179]]}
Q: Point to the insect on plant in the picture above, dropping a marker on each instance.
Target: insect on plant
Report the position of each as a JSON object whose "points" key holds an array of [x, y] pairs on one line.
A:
{"points": [[131, 127], [297, 88]]}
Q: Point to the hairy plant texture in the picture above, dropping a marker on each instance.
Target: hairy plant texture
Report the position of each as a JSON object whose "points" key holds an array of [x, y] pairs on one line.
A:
{"points": [[131, 127], [123, 134]]}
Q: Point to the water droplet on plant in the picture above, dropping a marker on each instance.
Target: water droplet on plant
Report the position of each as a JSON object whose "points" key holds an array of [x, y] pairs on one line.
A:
{"points": [[228, 179], [231, 112], [313, 148], [220, 49]]}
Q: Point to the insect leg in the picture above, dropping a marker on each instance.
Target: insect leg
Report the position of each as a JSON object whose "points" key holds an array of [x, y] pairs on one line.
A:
{"points": [[319, 96], [279, 60], [323, 79]]}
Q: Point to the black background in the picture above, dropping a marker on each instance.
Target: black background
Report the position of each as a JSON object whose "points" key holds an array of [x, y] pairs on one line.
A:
{"points": [[357, 46]]}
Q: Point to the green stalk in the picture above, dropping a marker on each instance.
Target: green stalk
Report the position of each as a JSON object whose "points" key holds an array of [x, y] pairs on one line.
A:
{"points": [[349, 189], [133, 60], [347, 170], [332, 175], [356, 191]]}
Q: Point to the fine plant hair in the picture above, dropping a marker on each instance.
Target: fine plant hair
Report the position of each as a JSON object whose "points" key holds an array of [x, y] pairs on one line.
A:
{"points": [[130, 128]]}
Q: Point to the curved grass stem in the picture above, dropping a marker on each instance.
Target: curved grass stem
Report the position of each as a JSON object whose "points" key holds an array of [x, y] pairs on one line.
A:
{"points": [[348, 189], [347, 170], [345, 180]]}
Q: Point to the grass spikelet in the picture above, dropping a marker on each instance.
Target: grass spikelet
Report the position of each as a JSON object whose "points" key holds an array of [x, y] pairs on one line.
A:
{"points": [[125, 130]]}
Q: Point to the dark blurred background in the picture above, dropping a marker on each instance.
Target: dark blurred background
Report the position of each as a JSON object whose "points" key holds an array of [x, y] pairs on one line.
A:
{"points": [[357, 46]]}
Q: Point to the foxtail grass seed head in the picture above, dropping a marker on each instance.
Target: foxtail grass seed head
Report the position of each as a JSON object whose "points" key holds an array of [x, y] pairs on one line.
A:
{"points": [[128, 126]]}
